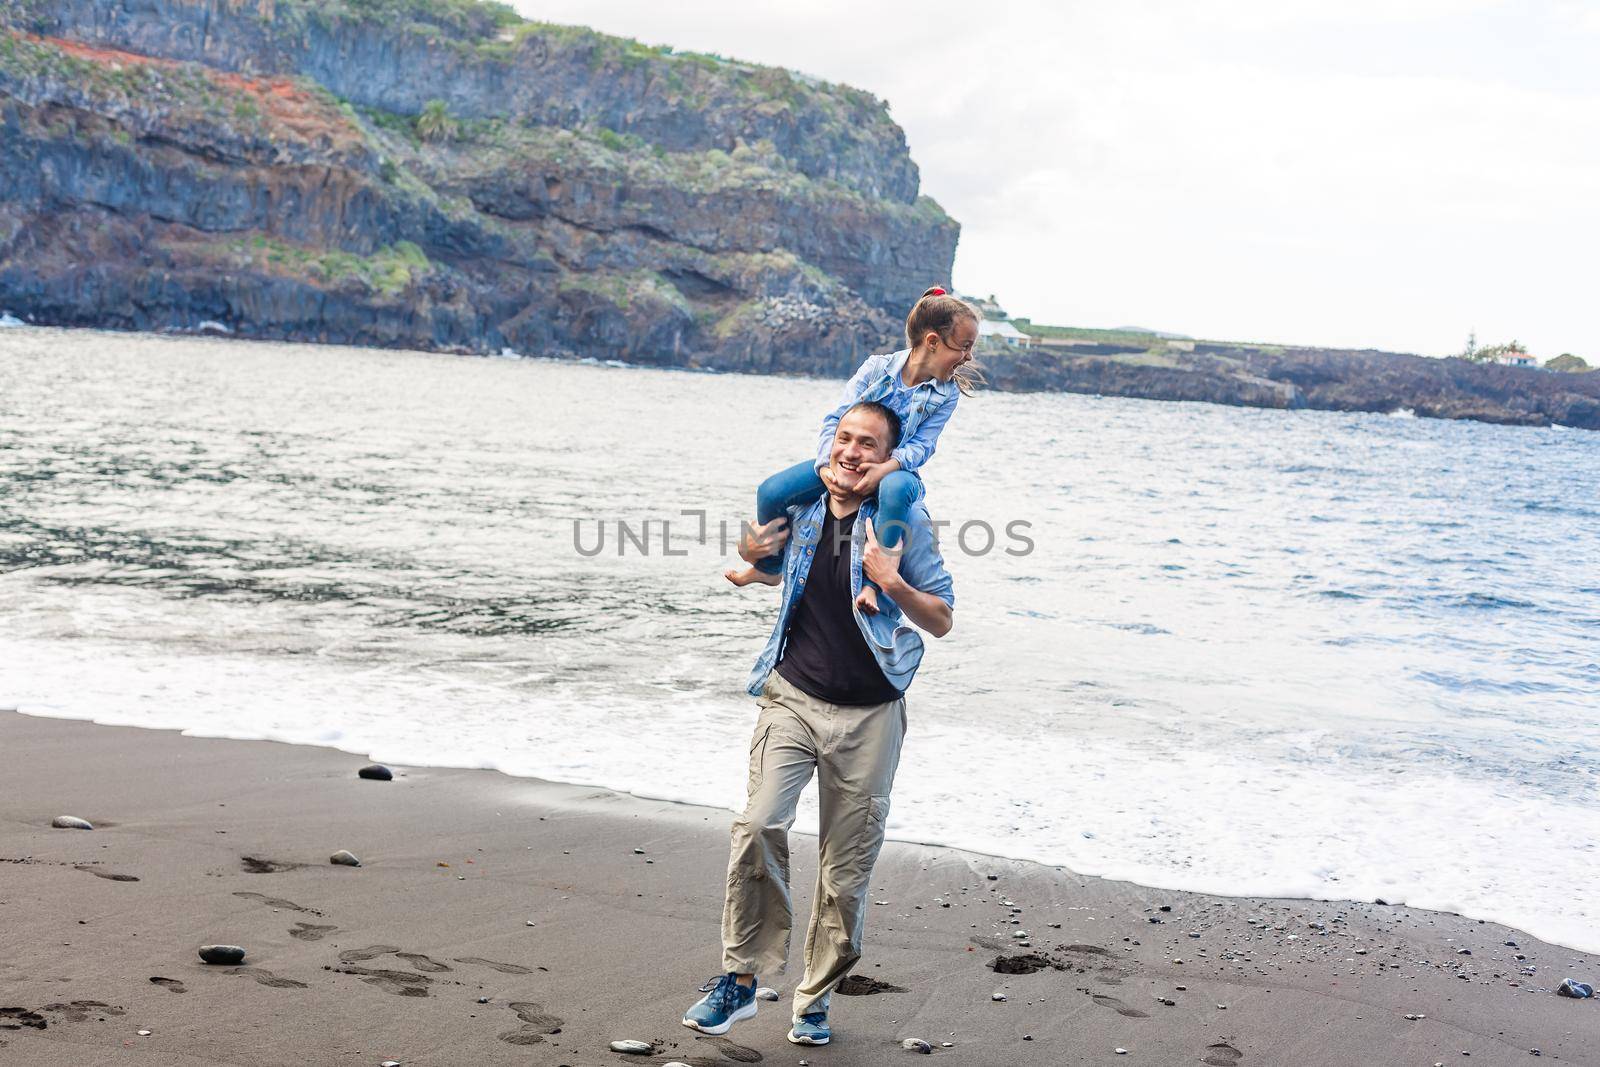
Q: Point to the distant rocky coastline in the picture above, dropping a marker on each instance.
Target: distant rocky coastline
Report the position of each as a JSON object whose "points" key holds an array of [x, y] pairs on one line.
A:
{"points": [[443, 174]]}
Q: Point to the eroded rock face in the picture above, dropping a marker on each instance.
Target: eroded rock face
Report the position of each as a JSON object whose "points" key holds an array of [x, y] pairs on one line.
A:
{"points": [[262, 168], [1322, 379]]}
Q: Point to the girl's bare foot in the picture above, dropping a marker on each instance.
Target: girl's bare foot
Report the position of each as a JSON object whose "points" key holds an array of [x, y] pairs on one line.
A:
{"points": [[867, 600], [751, 576]]}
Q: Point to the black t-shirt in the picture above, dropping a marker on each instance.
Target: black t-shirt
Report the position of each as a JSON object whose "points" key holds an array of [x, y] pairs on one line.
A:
{"points": [[824, 653]]}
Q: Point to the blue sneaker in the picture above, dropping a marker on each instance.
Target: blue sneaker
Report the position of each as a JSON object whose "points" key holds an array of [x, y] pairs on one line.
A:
{"points": [[725, 1003], [811, 1029]]}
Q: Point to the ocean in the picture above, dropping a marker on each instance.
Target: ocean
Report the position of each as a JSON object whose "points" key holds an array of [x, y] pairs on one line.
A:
{"points": [[1221, 649]]}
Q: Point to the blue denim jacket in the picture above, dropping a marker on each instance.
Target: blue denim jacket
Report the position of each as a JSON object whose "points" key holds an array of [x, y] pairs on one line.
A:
{"points": [[923, 410], [896, 646]]}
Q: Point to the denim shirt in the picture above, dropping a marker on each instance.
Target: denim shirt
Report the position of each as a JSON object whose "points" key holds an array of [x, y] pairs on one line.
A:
{"points": [[923, 409], [896, 646]]}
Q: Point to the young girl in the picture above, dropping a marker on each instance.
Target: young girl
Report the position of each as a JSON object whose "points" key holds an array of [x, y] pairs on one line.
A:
{"points": [[921, 384]]}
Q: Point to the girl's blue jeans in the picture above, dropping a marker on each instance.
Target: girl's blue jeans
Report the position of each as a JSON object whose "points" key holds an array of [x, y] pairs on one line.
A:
{"points": [[799, 485]]}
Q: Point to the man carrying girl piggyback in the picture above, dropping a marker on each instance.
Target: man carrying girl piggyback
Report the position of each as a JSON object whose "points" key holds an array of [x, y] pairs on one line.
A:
{"points": [[921, 384]]}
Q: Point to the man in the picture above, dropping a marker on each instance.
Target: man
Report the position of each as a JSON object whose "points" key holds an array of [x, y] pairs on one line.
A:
{"points": [[831, 685]]}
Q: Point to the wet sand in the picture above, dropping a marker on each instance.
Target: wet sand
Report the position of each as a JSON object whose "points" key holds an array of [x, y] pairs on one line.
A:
{"points": [[202, 841]]}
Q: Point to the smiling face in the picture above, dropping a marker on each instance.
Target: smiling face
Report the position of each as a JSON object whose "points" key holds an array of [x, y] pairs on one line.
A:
{"points": [[862, 438], [947, 354]]}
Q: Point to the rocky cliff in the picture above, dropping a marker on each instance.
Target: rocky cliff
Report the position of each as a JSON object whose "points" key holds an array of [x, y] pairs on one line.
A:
{"points": [[444, 174], [1274, 376]]}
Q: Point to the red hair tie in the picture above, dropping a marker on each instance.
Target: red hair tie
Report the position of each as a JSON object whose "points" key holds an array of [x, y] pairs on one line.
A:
{"points": [[936, 291]]}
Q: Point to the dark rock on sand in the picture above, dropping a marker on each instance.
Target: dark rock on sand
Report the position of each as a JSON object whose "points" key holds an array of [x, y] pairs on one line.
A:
{"points": [[222, 955], [376, 772], [71, 822], [344, 858]]}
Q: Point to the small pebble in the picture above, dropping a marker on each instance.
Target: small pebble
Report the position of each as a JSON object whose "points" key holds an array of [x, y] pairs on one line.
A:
{"points": [[998, 996], [1222, 1007], [224, 955], [375, 772], [947, 1044], [916, 1044], [483, 1000], [71, 822], [1122, 1052], [638, 852], [766, 993], [344, 858], [633, 1048], [142, 1033], [390, 1063]]}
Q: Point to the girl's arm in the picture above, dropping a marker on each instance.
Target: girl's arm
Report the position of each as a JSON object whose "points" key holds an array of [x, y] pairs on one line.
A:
{"points": [[918, 449], [853, 389]]}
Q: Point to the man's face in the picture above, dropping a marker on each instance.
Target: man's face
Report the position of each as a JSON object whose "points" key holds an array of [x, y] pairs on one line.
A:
{"points": [[862, 438]]}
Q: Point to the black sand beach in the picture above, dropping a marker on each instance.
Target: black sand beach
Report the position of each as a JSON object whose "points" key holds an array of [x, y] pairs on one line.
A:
{"points": [[537, 897]]}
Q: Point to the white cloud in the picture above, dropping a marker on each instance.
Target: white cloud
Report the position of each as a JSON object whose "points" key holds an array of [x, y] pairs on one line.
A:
{"points": [[1364, 172]]}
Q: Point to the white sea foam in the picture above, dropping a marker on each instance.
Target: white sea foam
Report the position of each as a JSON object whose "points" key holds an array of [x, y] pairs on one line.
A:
{"points": [[1297, 821]]}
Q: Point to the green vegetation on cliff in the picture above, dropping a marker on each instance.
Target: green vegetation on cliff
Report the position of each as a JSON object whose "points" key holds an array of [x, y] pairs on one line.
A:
{"points": [[1568, 363], [388, 271]]}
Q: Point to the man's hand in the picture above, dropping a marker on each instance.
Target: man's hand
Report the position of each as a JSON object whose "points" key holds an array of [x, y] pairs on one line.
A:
{"points": [[759, 542], [881, 566]]}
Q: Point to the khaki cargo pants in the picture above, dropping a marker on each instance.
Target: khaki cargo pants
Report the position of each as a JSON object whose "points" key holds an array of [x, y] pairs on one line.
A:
{"points": [[854, 751]]}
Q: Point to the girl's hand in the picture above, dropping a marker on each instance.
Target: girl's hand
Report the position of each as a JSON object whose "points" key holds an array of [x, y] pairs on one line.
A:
{"points": [[871, 475]]}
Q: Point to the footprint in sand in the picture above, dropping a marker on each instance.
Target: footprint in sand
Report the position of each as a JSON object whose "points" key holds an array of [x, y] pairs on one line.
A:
{"points": [[503, 968], [79, 1010], [17, 1018], [257, 865], [372, 952], [277, 902], [107, 875], [1221, 1054], [537, 1023], [400, 983], [1117, 1005], [266, 978], [423, 963], [1029, 963], [731, 1051], [310, 931], [859, 985], [171, 985]]}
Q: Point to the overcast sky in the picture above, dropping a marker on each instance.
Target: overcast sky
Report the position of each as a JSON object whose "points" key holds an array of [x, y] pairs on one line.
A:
{"points": [[1384, 173]]}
